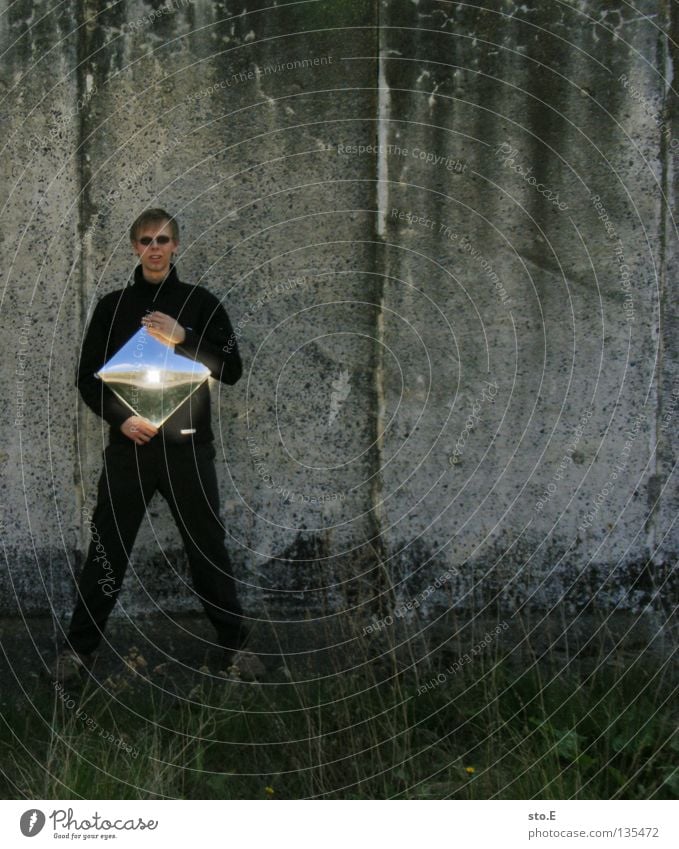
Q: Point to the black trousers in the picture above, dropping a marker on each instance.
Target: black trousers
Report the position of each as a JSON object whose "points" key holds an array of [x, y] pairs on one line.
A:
{"points": [[185, 476]]}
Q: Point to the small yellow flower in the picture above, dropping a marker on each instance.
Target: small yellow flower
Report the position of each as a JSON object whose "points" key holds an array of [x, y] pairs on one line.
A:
{"points": [[469, 770], [269, 791]]}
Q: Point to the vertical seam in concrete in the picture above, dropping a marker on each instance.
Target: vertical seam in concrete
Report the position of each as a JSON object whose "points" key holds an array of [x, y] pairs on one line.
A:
{"points": [[383, 109], [381, 194], [666, 183], [80, 307]]}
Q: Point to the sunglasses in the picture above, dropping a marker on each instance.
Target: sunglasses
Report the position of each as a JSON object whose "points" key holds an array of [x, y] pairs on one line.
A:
{"points": [[159, 240]]}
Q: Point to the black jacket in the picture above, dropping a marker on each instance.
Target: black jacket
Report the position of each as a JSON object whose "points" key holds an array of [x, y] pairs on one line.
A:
{"points": [[209, 339]]}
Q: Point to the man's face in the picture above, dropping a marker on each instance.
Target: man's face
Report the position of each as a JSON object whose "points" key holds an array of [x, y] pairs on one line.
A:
{"points": [[155, 256]]}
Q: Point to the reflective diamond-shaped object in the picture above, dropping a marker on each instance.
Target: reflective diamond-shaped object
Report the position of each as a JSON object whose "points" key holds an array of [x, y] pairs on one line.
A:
{"points": [[150, 378]]}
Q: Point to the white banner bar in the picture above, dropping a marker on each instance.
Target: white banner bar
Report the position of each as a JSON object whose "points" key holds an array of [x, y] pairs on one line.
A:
{"points": [[341, 824]]}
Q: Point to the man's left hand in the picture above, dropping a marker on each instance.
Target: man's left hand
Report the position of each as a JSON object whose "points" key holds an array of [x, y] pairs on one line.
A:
{"points": [[164, 328]]}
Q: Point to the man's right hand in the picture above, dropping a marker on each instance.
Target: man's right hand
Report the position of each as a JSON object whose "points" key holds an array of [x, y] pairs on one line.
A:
{"points": [[139, 430]]}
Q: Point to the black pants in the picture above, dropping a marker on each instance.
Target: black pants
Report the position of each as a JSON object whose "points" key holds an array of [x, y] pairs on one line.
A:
{"points": [[185, 476]]}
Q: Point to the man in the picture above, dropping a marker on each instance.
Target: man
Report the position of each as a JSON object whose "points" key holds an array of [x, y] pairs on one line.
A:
{"points": [[176, 459]]}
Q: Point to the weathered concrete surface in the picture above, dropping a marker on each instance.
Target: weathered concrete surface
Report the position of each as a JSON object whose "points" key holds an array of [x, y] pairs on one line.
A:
{"points": [[509, 140], [41, 275], [226, 116], [505, 250]]}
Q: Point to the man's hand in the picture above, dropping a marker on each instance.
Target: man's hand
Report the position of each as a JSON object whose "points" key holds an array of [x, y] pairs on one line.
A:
{"points": [[139, 430], [164, 328]]}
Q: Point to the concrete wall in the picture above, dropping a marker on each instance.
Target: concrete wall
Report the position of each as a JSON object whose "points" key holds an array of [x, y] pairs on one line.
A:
{"points": [[510, 138], [448, 231]]}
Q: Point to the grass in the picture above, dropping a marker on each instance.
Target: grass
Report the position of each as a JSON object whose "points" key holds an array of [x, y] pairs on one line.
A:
{"points": [[491, 729]]}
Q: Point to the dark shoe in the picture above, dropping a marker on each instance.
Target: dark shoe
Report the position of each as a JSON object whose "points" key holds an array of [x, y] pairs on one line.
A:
{"points": [[68, 666]]}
